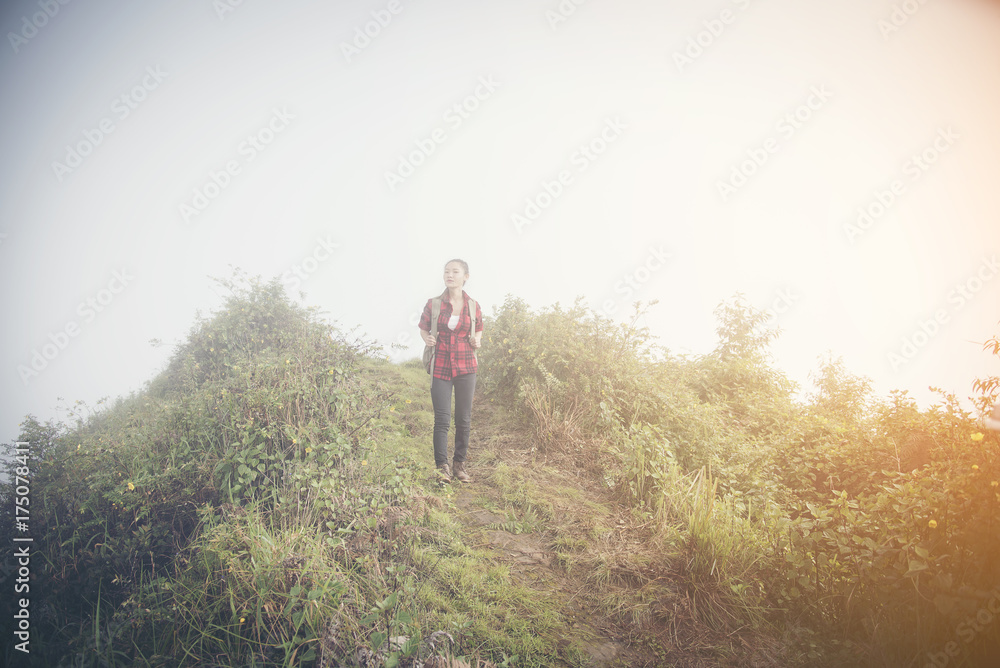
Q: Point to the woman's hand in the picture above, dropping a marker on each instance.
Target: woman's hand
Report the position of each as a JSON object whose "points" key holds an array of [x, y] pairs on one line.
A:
{"points": [[430, 340]]}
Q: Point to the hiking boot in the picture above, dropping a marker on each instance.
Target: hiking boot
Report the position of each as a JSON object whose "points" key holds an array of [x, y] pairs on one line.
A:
{"points": [[459, 468], [444, 473]]}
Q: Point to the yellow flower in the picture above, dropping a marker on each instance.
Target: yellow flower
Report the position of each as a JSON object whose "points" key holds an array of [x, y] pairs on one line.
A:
{"points": [[932, 524], [288, 361], [518, 368], [409, 401], [975, 467], [977, 436], [506, 340], [364, 462], [131, 487], [295, 441], [308, 450], [510, 350], [242, 619], [994, 483], [330, 372], [392, 409], [211, 350]]}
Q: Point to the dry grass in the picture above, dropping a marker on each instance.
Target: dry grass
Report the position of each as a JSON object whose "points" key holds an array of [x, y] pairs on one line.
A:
{"points": [[557, 428], [625, 573]]}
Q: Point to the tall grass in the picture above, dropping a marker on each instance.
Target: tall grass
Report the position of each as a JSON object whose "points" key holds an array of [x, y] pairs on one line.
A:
{"points": [[791, 513]]}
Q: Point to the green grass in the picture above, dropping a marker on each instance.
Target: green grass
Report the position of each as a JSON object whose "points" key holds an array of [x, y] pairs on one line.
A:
{"points": [[270, 499]]}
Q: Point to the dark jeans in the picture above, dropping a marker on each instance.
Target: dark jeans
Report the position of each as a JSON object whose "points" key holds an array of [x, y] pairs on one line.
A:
{"points": [[465, 386]]}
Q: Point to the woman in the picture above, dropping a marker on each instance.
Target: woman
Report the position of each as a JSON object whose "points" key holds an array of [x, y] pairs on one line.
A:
{"points": [[454, 366]]}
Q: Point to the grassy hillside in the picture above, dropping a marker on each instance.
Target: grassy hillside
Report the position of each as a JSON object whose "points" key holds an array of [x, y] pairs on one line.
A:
{"points": [[269, 500]]}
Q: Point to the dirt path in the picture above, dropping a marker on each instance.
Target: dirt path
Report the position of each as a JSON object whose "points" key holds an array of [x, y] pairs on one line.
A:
{"points": [[499, 509], [612, 584], [531, 562]]}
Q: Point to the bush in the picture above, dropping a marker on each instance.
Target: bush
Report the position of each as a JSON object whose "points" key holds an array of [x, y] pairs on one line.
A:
{"points": [[256, 408], [872, 521]]}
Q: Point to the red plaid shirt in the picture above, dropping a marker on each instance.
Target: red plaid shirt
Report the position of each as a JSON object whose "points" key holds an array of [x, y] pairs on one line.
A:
{"points": [[454, 354]]}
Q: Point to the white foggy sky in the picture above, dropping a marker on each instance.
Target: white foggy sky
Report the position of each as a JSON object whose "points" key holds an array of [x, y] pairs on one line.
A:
{"points": [[655, 187]]}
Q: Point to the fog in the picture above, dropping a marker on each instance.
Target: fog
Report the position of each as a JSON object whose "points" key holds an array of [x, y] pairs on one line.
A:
{"points": [[833, 162]]}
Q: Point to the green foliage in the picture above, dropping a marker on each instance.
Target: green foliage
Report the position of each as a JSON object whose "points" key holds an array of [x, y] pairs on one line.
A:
{"points": [[579, 361], [989, 387], [874, 522], [256, 408], [907, 550], [242, 510], [841, 397], [255, 505]]}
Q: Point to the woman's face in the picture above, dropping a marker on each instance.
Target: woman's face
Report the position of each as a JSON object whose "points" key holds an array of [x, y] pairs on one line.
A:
{"points": [[454, 275]]}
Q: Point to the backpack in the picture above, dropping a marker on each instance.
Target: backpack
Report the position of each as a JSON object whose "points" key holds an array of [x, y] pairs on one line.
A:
{"points": [[430, 351]]}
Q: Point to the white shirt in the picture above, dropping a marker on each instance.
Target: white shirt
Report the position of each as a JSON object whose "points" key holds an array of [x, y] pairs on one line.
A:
{"points": [[453, 321]]}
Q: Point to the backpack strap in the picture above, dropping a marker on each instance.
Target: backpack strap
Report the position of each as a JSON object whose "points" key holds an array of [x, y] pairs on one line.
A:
{"points": [[435, 312]]}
